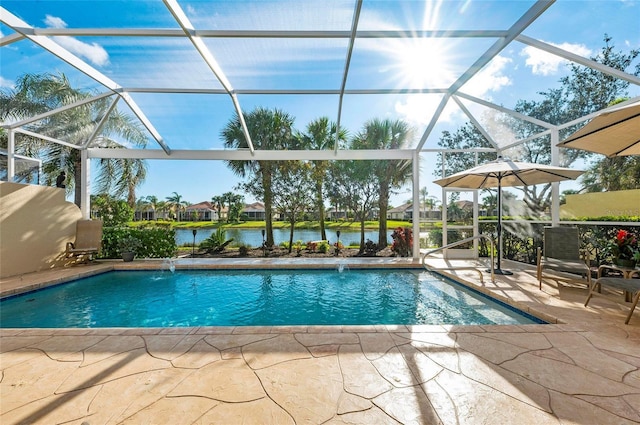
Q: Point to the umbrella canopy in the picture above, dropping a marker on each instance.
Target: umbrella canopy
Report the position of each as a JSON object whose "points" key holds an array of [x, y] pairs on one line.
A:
{"points": [[504, 172], [614, 133]]}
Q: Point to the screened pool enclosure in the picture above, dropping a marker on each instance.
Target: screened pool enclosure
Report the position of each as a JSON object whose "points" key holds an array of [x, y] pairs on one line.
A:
{"points": [[184, 68]]}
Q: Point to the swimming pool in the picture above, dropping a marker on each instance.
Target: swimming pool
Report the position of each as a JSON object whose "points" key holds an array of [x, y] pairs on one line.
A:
{"points": [[255, 298]]}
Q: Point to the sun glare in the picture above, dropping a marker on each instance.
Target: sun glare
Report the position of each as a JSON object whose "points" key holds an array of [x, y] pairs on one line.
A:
{"points": [[423, 63]]}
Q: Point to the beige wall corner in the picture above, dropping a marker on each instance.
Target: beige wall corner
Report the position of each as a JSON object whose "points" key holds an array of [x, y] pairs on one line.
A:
{"points": [[600, 204], [36, 222]]}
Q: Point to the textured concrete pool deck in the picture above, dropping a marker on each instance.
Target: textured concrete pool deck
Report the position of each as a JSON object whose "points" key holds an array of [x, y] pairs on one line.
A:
{"points": [[584, 368]]}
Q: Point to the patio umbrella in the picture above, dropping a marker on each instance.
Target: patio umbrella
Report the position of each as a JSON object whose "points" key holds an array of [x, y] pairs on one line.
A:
{"points": [[504, 172], [613, 133]]}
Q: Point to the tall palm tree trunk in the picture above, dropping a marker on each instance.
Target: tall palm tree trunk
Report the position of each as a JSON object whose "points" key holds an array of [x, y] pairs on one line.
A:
{"points": [[383, 207], [77, 178], [320, 207], [362, 220], [268, 201]]}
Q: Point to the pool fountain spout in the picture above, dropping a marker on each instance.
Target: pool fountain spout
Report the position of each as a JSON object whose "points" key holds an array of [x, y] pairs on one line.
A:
{"points": [[169, 264], [342, 267]]}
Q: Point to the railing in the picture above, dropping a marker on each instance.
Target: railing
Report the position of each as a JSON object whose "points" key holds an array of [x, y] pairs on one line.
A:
{"points": [[460, 242]]}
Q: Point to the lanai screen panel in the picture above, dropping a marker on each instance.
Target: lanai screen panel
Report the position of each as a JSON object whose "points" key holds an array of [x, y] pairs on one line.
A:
{"points": [[270, 15], [280, 63]]}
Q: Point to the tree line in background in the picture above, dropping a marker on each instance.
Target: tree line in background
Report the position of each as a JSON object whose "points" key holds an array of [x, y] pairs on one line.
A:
{"points": [[292, 187]]}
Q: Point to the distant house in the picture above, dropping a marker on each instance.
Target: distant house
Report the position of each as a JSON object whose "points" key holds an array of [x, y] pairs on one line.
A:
{"points": [[255, 211], [146, 214], [405, 212], [334, 214], [202, 211]]}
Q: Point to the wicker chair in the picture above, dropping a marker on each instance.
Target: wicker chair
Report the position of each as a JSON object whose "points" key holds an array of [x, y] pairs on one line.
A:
{"points": [[88, 240], [562, 254]]}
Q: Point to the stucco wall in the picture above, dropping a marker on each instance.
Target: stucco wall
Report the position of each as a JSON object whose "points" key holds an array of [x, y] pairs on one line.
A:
{"points": [[600, 204], [36, 222]]}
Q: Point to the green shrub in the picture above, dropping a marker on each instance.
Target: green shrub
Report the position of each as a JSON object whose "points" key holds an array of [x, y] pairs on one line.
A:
{"points": [[129, 244], [323, 247], [243, 250], [155, 242]]}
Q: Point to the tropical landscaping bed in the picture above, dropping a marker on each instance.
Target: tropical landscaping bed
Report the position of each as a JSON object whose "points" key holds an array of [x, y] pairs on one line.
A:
{"points": [[279, 252]]}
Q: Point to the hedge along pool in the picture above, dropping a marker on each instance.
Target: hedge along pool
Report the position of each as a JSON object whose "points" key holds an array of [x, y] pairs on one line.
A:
{"points": [[256, 298]]}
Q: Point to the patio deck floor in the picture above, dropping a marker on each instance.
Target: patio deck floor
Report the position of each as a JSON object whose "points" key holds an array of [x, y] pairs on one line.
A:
{"points": [[582, 369]]}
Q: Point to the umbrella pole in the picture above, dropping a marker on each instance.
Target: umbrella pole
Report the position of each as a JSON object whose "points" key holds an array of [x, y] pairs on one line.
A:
{"points": [[498, 270]]}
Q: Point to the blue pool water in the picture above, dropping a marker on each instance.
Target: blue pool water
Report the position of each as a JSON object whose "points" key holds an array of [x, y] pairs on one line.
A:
{"points": [[255, 297]]}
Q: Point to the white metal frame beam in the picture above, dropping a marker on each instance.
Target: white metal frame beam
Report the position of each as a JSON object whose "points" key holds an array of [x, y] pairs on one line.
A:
{"points": [[52, 47], [578, 59], [258, 155], [334, 34], [210, 60], [433, 122], [475, 122], [334, 92], [11, 38], [47, 114], [47, 138], [507, 111], [347, 62], [103, 121], [521, 24]]}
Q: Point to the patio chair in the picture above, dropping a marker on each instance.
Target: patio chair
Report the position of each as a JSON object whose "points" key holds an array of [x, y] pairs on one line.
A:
{"points": [[562, 254], [630, 287], [88, 240]]}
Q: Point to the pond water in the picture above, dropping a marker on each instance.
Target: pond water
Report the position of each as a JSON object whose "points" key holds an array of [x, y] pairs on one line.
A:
{"points": [[253, 237]]}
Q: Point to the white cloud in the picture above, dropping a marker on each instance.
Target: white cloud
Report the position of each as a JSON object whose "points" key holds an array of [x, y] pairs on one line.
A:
{"points": [[93, 52], [54, 22], [490, 78], [6, 83], [543, 63]]}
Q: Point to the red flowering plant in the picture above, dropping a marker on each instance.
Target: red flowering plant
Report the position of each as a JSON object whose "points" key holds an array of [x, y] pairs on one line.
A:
{"points": [[402, 241], [624, 246], [338, 247]]}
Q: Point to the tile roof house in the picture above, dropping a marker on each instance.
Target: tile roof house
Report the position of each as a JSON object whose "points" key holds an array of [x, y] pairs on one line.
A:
{"points": [[254, 211], [202, 211], [405, 212]]}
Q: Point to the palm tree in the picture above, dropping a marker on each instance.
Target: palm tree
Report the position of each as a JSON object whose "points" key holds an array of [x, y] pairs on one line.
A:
{"points": [[269, 129], [161, 208], [131, 173], [219, 202], [175, 204], [391, 174], [37, 93], [152, 203], [235, 202], [320, 135]]}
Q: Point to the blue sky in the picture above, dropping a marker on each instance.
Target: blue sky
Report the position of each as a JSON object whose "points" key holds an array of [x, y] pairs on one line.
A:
{"points": [[194, 121]]}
